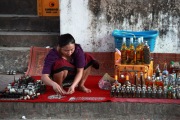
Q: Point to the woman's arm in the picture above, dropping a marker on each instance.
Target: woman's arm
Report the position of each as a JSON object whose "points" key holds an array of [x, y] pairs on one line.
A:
{"points": [[77, 79], [47, 81], [78, 76]]}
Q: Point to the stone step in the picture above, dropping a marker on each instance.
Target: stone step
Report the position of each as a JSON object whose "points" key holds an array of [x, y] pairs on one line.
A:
{"points": [[20, 7], [90, 110], [14, 58], [12, 22], [28, 39]]}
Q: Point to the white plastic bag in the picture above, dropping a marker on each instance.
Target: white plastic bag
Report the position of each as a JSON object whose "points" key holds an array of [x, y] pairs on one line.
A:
{"points": [[105, 82]]}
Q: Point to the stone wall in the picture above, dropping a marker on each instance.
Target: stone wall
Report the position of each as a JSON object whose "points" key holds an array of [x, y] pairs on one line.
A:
{"points": [[92, 21]]}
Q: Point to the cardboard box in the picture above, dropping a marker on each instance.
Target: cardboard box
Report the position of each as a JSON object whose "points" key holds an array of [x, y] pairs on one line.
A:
{"points": [[48, 7], [146, 69]]}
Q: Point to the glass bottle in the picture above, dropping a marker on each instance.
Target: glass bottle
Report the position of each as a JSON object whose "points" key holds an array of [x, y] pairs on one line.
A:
{"points": [[157, 82], [124, 52], [136, 79], [143, 91], [146, 53], [138, 91], [178, 81], [128, 91], [157, 71], [149, 92], [127, 82], [165, 71], [115, 77], [139, 52], [142, 41], [113, 89], [117, 91], [171, 67], [154, 91], [159, 92], [116, 83], [148, 81], [133, 91], [169, 92], [122, 79], [174, 93], [123, 92], [142, 46], [165, 92], [119, 94], [166, 81], [172, 80], [142, 82], [178, 92], [131, 53]]}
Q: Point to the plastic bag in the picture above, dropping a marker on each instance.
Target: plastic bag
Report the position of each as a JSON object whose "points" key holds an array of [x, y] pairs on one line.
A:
{"points": [[105, 82]]}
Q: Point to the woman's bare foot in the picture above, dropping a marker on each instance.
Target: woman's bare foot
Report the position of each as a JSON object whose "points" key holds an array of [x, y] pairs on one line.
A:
{"points": [[84, 89]]}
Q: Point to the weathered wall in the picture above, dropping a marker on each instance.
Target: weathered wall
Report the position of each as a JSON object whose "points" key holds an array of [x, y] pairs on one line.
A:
{"points": [[91, 22]]}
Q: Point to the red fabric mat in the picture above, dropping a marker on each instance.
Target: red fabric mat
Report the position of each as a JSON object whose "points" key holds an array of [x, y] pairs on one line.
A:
{"points": [[36, 60], [97, 95]]}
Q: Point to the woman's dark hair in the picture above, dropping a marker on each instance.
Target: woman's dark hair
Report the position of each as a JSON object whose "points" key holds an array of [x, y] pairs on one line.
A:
{"points": [[65, 39]]}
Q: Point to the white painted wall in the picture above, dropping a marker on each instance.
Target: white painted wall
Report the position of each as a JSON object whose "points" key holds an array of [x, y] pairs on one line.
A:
{"points": [[74, 19], [94, 33]]}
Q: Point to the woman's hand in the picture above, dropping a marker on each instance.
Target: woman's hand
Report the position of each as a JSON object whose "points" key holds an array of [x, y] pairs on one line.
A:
{"points": [[71, 90], [77, 78], [58, 89]]}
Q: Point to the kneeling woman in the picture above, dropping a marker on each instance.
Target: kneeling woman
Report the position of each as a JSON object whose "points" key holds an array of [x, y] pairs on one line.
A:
{"points": [[67, 64]]}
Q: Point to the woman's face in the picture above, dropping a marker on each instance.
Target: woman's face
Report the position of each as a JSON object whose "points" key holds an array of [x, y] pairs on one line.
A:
{"points": [[67, 50]]}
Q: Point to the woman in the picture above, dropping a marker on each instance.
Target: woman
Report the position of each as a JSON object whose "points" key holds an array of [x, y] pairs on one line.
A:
{"points": [[67, 64]]}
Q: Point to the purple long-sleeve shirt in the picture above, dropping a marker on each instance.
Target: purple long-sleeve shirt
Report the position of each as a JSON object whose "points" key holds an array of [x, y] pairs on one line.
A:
{"points": [[78, 59]]}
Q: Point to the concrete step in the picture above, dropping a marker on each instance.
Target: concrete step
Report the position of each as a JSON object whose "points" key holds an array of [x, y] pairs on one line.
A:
{"points": [[6, 79], [28, 39], [14, 58], [90, 111], [21, 7], [13, 22]]}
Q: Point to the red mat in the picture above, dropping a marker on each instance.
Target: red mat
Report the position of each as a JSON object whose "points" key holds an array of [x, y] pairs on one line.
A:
{"points": [[36, 60], [97, 95]]}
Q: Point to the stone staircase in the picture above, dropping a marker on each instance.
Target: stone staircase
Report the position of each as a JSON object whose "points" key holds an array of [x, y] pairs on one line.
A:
{"points": [[21, 28]]}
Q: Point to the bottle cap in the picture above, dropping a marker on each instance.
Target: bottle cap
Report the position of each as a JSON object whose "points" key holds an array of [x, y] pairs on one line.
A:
{"points": [[131, 39], [172, 62], [124, 39]]}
